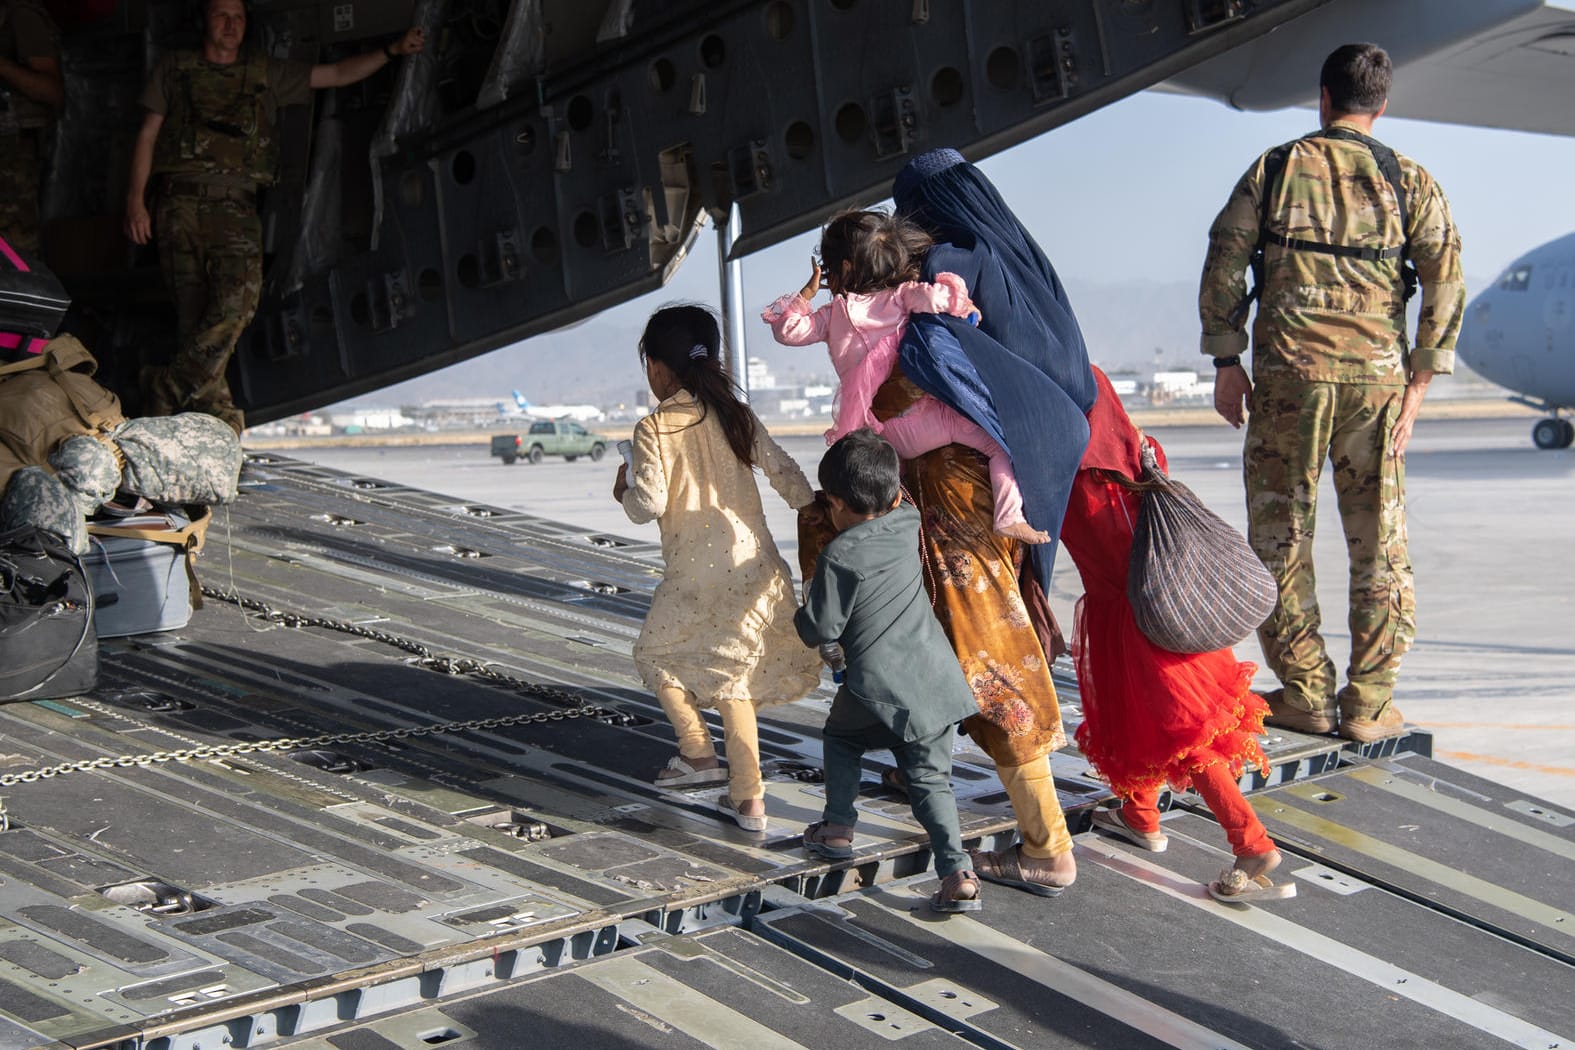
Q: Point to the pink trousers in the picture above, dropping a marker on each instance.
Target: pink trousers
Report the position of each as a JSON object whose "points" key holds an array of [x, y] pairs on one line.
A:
{"points": [[931, 424]]}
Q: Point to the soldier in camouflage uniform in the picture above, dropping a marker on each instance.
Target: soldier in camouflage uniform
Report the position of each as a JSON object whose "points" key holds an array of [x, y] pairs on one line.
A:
{"points": [[209, 133], [1333, 378], [31, 92]]}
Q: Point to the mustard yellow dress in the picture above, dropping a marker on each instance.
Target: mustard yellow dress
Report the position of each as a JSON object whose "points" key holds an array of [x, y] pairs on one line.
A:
{"points": [[721, 620]]}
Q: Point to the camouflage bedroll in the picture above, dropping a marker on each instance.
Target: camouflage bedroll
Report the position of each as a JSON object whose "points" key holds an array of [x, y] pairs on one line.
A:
{"points": [[36, 497], [187, 458]]}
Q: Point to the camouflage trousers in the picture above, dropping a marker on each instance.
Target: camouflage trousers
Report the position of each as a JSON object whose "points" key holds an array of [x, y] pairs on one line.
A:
{"points": [[211, 254], [1294, 428], [19, 190]]}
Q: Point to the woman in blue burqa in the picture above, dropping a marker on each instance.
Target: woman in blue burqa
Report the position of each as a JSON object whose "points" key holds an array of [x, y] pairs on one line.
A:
{"points": [[1023, 376], [1150, 717]]}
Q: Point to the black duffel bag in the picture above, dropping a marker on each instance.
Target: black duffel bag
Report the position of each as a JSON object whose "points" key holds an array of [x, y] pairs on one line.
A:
{"points": [[1194, 583], [47, 644]]}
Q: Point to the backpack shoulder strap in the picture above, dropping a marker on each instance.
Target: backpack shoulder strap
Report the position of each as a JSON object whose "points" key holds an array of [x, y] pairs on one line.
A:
{"points": [[27, 364], [1388, 163], [1273, 169]]}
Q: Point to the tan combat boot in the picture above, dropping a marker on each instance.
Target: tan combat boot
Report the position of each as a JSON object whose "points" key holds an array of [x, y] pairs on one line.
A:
{"points": [[1298, 719], [1389, 722]]}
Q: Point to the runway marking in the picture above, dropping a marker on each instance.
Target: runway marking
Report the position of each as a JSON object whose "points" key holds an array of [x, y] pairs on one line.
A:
{"points": [[1507, 763], [1387, 780], [1544, 915], [663, 1001], [1110, 999], [1385, 975]]}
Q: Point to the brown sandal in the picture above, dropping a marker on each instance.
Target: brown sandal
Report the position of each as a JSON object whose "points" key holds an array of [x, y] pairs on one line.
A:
{"points": [[959, 892], [1005, 868]]}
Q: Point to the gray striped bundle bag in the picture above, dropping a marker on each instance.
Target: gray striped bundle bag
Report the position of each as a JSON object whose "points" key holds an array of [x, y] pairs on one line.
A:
{"points": [[1194, 584]]}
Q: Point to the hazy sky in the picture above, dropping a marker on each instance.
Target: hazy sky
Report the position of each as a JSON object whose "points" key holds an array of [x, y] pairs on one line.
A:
{"points": [[1128, 193]]}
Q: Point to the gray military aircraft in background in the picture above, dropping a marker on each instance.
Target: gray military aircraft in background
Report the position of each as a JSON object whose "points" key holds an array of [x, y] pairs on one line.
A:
{"points": [[1520, 333]]}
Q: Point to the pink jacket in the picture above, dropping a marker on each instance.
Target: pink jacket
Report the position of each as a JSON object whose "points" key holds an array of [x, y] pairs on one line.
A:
{"points": [[862, 333]]}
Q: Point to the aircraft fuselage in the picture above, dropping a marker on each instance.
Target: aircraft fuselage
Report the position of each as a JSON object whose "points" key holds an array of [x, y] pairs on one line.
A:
{"points": [[1520, 333]]}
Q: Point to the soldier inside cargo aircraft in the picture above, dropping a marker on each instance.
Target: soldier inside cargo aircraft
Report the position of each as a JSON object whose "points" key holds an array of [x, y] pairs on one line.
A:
{"points": [[31, 92], [1331, 224], [209, 133]]}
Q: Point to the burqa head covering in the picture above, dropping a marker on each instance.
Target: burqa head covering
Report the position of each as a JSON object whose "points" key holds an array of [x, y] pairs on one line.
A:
{"points": [[1023, 373]]}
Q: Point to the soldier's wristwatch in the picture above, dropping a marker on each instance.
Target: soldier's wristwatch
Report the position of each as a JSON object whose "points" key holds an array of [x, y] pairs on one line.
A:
{"points": [[1227, 362]]}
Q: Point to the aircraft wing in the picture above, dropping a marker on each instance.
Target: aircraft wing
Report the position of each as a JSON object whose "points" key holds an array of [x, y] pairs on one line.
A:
{"points": [[1493, 63]]}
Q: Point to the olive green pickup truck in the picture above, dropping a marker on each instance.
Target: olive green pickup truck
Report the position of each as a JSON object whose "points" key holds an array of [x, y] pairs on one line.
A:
{"points": [[566, 439]]}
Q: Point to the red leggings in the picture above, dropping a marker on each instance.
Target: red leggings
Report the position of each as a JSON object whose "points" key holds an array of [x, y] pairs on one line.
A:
{"points": [[1222, 794]]}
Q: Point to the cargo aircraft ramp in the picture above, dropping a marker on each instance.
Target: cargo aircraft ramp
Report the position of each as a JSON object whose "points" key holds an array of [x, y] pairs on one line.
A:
{"points": [[399, 797]]}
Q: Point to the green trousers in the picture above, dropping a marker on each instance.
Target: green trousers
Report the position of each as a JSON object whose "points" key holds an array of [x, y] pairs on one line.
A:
{"points": [[1295, 427], [211, 254], [926, 765]]}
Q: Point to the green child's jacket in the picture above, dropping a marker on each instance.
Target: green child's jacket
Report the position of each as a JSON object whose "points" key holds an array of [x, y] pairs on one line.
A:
{"points": [[868, 593]]}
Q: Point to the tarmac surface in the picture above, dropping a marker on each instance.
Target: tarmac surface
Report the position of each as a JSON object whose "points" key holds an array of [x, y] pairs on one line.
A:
{"points": [[1492, 670]]}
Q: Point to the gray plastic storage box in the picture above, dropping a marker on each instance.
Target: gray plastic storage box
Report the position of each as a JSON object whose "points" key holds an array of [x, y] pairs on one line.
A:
{"points": [[140, 586]]}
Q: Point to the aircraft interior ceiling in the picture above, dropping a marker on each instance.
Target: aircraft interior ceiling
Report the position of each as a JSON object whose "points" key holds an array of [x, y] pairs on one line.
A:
{"points": [[546, 159]]}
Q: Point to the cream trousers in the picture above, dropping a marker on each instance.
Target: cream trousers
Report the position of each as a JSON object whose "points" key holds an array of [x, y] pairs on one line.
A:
{"points": [[740, 737]]}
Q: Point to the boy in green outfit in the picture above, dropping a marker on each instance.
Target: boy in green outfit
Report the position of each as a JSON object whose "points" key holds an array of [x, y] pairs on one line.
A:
{"points": [[904, 690]]}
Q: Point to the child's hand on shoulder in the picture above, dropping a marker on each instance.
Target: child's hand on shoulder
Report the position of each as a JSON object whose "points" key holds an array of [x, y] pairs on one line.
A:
{"points": [[813, 515]]}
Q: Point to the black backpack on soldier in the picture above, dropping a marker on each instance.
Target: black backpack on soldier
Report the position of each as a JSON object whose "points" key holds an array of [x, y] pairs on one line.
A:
{"points": [[1274, 168]]}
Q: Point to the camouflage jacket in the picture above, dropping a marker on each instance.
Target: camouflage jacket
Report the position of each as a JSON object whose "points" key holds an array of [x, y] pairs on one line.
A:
{"points": [[221, 120], [26, 32], [1323, 318]]}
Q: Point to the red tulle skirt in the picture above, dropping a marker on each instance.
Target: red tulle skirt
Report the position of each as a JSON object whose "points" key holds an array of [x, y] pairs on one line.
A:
{"points": [[1150, 716]]}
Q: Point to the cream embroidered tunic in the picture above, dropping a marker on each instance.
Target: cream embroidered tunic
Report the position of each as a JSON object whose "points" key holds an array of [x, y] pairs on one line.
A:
{"points": [[721, 621]]}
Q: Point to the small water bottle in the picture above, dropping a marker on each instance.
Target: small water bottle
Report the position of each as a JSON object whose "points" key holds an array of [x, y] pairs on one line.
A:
{"points": [[831, 654]]}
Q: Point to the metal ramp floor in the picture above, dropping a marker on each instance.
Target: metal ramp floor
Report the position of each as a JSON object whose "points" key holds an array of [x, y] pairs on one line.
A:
{"points": [[417, 791]]}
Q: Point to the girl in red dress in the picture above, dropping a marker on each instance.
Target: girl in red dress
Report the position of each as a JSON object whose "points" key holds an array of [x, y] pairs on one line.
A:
{"points": [[1151, 716]]}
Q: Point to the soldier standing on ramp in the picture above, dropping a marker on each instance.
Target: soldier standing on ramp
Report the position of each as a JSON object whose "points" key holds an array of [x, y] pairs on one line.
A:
{"points": [[31, 93], [1331, 226], [209, 133]]}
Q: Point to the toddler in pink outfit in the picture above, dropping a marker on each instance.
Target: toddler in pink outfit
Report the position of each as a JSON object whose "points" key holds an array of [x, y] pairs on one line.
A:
{"points": [[871, 267]]}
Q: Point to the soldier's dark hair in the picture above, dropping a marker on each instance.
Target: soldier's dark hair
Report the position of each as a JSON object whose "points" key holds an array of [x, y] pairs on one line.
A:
{"points": [[687, 339], [879, 250], [1357, 77], [862, 470]]}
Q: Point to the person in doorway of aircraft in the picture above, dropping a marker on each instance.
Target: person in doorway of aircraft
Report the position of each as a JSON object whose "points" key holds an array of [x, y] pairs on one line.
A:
{"points": [[720, 629], [209, 132], [32, 92], [1331, 226], [871, 264]]}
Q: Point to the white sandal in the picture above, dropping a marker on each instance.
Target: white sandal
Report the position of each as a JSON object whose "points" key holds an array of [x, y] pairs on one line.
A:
{"points": [[685, 775], [1112, 822], [748, 823]]}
